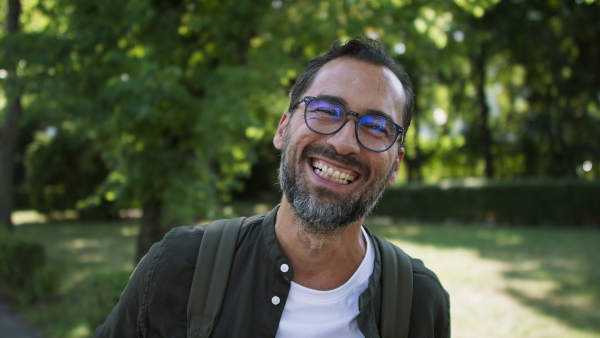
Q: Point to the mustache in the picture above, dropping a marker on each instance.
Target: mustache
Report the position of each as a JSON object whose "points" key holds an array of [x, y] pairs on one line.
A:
{"points": [[329, 153]]}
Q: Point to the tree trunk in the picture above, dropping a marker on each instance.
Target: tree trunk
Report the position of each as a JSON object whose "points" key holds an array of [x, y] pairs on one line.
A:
{"points": [[10, 128], [150, 226], [484, 110]]}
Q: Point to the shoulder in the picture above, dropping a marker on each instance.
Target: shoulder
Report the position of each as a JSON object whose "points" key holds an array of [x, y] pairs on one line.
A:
{"points": [[424, 279], [427, 285], [430, 313], [174, 255], [430, 310], [182, 242], [158, 282]]}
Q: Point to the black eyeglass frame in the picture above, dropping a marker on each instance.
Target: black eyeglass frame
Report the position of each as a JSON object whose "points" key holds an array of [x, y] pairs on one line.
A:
{"points": [[307, 99]]}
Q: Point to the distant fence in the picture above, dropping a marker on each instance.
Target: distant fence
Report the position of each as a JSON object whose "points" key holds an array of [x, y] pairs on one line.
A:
{"points": [[520, 201]]}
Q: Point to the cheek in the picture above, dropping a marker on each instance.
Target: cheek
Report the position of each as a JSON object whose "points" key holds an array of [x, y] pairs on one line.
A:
{"points": [[300, 135], [385, 170]]}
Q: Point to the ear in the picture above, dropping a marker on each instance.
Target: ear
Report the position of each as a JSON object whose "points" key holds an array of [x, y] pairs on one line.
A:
{"points": [[396, 167], [280, 134]]}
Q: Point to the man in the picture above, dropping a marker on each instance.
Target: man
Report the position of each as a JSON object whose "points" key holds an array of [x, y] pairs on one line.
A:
{"points": [[308, 268]]}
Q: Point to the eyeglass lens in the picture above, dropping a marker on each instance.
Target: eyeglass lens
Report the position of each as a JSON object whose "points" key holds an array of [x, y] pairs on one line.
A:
{"points": [[327, 117]]}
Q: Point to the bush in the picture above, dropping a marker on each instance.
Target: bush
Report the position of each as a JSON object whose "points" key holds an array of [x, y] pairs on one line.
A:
{"points": [[63, 169], [523, 201], [22, 269]]}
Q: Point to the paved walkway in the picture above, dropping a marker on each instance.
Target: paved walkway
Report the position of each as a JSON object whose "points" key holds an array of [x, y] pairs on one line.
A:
{"points": [[12, 325]]}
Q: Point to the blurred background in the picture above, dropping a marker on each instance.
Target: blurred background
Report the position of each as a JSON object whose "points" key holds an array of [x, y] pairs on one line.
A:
{"points": [[122, 119]]}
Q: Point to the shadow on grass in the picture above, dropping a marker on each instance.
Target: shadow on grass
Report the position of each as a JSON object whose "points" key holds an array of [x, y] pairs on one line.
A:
{"points": [[565, 259]]}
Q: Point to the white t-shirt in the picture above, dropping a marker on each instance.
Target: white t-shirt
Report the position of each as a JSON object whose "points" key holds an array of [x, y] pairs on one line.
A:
{"points": [[332, 313]]}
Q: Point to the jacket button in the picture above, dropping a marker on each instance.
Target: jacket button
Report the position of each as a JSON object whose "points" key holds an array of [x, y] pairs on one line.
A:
{"points": [[284, 268], [275, 300]]}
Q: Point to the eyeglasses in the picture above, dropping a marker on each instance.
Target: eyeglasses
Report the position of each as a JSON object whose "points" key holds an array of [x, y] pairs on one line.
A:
{"points": [[327, 117]]}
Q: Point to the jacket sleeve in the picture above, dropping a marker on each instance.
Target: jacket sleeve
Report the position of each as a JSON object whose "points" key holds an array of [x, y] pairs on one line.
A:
{"points": [[126, 319]]}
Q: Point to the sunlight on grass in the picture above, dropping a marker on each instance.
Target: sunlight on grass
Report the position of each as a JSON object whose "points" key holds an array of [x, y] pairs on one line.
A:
{"points": [[80, 331], [79, 243], [27, 216], [31, 216], [129, 231]]}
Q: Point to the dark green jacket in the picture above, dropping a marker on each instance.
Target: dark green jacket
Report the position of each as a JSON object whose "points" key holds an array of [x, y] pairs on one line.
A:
{"points": [[154, 303]]}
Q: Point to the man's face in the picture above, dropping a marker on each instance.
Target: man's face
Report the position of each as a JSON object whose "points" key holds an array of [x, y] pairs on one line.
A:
{"points": [[331, 181]]}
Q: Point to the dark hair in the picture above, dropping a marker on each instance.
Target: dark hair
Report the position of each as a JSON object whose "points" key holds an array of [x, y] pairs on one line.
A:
{"points": [[363, 49]]}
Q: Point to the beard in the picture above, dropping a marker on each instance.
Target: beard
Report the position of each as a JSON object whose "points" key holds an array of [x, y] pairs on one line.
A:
{"points": [[324, 211]]}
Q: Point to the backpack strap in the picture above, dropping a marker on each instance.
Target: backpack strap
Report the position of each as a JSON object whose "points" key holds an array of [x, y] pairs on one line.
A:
{"points": [[397, 290], [213, 266]]}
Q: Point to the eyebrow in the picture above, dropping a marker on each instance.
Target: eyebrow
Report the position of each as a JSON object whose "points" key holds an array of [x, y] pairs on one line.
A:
{"points": [[367, 112]]}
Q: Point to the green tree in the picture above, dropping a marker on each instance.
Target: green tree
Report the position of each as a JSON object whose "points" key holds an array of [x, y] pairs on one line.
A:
{"points": [[559, 55], [166, 91]]}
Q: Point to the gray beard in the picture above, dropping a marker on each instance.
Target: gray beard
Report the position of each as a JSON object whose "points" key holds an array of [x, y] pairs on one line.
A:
{"points": [[317, 214]]}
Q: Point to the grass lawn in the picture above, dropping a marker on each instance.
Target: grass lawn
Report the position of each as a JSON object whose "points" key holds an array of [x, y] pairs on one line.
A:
{"points": [[511, 282], [503, 281]]}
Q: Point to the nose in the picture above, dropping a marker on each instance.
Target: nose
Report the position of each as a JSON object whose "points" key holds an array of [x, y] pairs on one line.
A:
{"points": [[344, 141]]}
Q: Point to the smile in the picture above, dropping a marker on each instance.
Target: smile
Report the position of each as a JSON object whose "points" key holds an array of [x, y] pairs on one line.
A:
{"points": [[332, 174]]}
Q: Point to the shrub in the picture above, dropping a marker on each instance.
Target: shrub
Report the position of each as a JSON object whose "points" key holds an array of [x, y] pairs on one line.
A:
{"points": [[523, 201], [22, 269], [63, 169]]}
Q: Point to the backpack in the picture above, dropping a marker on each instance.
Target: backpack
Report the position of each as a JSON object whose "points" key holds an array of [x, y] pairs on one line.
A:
{"points": [[217, 250]]}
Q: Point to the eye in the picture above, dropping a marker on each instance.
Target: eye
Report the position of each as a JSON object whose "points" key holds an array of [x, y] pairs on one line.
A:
{"points": [[332, 111], [375, 125]]}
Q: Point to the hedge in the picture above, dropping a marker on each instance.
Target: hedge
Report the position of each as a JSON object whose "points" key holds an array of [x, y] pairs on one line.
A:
{"points": [[23, 271], [522, 201]]}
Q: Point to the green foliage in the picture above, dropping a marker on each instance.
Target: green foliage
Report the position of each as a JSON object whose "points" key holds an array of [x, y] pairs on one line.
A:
{"points": [[166, 90], [532, 201], [65, 167], [23, 270]]}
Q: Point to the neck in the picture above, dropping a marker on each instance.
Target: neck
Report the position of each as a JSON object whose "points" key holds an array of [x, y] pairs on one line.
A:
{"points": [[321, 261]]}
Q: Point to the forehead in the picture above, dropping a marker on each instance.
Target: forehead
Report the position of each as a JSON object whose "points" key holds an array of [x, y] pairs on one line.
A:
{"points": [[361, 86]]}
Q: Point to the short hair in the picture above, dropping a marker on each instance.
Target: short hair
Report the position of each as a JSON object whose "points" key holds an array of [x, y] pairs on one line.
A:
{"points": [[363, 49]]}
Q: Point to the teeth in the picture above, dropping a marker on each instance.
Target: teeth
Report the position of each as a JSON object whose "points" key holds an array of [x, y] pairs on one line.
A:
{"points": [[331, 174]]}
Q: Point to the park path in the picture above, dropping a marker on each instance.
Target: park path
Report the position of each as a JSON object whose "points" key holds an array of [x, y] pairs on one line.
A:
{"points": [[12, 325]]}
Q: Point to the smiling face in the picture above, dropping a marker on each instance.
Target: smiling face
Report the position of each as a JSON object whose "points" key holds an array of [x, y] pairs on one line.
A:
{"points": [[331, 181]]}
